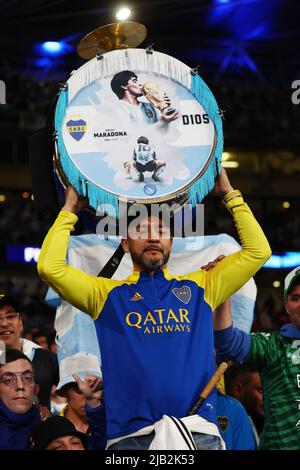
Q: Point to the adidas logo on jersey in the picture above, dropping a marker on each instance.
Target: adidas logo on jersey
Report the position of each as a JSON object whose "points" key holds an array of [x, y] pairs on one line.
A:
{"points": [[137, 296]]}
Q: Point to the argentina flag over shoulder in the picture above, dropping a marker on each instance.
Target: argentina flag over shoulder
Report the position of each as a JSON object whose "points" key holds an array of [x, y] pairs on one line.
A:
{"points": [[76, 333]]}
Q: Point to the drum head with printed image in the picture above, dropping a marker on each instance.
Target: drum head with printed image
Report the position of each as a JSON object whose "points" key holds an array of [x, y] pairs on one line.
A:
{"points": [[136, 134]]}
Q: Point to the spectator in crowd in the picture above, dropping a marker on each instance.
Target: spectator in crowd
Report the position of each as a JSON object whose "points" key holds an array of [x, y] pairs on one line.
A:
{"points": [[243, 382], [18, 390], [44, 362], [75, 408], [128, 330], [276, 356], [57, 433], [234, 424], [85, 414], [233, 421]]}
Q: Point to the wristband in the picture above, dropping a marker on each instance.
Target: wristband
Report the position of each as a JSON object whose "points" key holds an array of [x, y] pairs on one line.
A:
{"points": [[232, 195]]}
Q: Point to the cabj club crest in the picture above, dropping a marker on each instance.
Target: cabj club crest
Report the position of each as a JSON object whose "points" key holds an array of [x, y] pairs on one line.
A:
{"points": [[183, 293], [77, 128], [223, 423]]}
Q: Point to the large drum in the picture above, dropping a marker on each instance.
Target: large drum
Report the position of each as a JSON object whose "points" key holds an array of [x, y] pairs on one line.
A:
{"points": [[137, 126]]}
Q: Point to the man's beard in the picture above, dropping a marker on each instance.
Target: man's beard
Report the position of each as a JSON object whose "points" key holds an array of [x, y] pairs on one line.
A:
{"points": [[149, 264]]}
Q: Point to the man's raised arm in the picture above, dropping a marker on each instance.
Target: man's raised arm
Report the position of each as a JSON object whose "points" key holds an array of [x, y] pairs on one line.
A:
{"points": [[230, 343], [80, 289], [235, 270]]}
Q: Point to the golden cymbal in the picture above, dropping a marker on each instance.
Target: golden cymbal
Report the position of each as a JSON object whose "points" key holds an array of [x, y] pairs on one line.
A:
{"points": [[111, 36]]}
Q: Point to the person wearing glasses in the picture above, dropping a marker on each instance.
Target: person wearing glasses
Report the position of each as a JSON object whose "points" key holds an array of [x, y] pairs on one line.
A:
{"points": [[18, 414], [44, 362], [20, 420]]}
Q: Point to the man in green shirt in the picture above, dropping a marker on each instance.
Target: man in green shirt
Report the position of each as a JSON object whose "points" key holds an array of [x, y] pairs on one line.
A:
{"points": [[277, 357]]}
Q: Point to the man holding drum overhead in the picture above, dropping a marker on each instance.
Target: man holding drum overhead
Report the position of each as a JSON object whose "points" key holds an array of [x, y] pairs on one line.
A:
{"points": [[155, 330]]}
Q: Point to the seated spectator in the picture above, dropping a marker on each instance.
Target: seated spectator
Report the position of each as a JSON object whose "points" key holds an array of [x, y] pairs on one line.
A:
{"points": [[57, 433], [276, 355], [78, 409], [234, 424], [74, 410], [18, 389], [84, 410], [44, 362], [243, 382]]}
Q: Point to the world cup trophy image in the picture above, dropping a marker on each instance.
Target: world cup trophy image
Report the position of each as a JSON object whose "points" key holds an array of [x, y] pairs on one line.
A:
{"points": [[127, 168], [160, 100]]}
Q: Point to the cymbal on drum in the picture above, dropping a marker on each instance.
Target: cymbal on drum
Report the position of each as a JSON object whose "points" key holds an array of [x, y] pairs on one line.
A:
{"points": [[110, 37]]}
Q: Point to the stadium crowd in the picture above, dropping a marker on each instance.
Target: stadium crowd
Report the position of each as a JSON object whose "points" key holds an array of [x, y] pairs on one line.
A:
{"points": [[37, 410]]}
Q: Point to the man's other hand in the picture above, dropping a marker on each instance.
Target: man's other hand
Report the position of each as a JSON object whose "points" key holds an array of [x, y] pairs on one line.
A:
{"points": [[213, 263], [73, 202], [222, 184]]}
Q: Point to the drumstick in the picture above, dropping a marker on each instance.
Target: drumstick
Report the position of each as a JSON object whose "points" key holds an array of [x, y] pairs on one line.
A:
{"points": [[209, 386]]}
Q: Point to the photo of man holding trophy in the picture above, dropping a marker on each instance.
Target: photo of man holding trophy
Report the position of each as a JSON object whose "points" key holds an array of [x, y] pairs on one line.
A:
{"points": [[142, 102]]}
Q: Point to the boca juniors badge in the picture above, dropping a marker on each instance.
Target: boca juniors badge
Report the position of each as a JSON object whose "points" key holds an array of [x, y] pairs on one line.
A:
{"points": [[76, 129]]}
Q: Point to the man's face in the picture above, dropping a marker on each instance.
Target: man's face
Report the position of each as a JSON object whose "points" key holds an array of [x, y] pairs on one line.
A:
{"points": [[252, 396], [76, 401], [15, 390], [66, 443], [292, 306], [10, 328], [134, 87], [151, 249]]}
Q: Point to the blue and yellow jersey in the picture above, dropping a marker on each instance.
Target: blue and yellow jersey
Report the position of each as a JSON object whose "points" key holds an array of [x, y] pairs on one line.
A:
{"points": [[234, 424], [155, 332]]}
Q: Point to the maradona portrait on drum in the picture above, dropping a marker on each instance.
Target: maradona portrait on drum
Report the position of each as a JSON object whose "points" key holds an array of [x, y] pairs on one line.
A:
{"points": [[129, 90]]}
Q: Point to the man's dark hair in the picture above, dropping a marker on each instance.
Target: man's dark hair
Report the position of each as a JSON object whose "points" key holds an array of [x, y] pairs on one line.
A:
{"points": [[239, 372], [9, 300], [119, 80], [143, 140], [12, 355]]}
